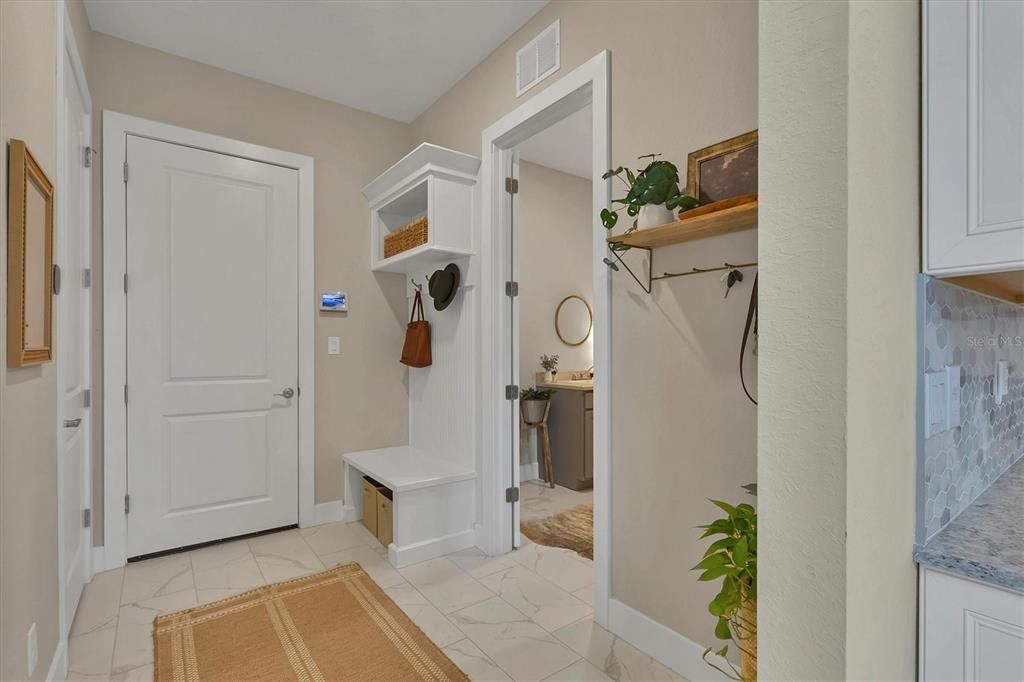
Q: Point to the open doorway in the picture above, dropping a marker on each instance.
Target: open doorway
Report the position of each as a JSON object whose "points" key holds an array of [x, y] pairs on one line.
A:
{"points": [[587, 86], [552, 236]]}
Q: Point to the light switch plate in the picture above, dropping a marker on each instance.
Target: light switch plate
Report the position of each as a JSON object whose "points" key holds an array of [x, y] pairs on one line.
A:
{"points": [[333, 345], [1001, 381], [935, 402], [952, 396]]}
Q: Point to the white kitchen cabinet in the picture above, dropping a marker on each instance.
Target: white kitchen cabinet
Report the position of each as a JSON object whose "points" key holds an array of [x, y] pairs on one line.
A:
{"points": [[973, 136], [969, 630]]}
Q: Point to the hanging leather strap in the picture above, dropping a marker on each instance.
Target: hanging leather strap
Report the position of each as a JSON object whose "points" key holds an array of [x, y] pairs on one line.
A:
{"points": [[751, 321], [417, 306]]}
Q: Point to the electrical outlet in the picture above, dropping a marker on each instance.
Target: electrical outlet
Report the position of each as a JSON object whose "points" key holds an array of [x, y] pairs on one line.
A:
{"points": [[935, 402], [1001, 381], [952, 396], [33, 650]]}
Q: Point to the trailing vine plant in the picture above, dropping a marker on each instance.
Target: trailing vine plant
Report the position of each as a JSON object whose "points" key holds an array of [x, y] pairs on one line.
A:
{"points": [[733, 560]]}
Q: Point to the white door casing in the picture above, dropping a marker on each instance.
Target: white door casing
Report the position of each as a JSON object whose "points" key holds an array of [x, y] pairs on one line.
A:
{"points": [[587, 84], [117, 130], [513, 328], [72, 328], [212, 337]]}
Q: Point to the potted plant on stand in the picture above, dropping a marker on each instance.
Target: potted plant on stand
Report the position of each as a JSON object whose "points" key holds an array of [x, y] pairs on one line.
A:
{"points": [[550, 365], [534, 400], [733, 560], [652, 195]]}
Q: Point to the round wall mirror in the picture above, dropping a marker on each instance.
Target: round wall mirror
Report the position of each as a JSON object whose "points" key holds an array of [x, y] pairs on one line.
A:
{"points": [[573, 320]]}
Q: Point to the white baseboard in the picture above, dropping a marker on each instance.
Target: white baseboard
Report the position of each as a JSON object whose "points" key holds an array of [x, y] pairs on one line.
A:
{"points": [[407, 555], [329, 512], [59, 664], [529, 472], [661, 643], [350, 513], [99, 560]]}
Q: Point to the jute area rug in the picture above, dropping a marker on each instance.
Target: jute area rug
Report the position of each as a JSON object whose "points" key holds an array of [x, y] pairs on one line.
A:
{"points": [[334, 625], [572, 529]]}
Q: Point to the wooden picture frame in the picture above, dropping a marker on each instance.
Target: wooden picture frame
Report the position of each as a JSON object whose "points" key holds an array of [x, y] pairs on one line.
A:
{"points": [[728, 169], [29, 260]]}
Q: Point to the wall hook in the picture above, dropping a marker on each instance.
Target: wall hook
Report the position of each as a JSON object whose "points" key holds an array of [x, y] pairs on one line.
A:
{"points": [[419, 287]]}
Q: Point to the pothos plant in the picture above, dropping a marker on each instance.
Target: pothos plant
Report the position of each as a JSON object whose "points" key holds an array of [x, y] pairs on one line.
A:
{"points": [[733, 560], [653, 185]]}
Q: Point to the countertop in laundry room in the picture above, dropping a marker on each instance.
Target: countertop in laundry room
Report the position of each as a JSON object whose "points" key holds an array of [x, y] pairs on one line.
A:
{"points": [[986, 541]]}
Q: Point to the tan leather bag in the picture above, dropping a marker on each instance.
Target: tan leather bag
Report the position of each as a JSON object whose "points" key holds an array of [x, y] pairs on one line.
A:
{"points": [[416, 351]]}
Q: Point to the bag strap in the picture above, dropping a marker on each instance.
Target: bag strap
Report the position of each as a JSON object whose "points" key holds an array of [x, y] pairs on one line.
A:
{"points": [[751, 322], [417, 305]]}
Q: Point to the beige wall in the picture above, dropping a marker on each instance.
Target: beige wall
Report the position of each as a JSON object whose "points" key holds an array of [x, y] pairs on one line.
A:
{"points": [[555, 243], [28, 419], [684, 75], [361, 394], [839, 250]]}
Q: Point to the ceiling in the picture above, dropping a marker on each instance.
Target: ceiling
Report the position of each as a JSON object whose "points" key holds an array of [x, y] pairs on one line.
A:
{"points": [[389, 58], [565, 146]]}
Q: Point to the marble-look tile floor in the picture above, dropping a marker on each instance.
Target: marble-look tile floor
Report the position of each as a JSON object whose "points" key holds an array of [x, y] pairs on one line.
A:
{"points": [[522, 616], [538, 500]]}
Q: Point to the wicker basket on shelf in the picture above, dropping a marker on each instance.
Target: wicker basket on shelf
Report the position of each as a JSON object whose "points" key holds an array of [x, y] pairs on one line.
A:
{"points": [[407, 237]]}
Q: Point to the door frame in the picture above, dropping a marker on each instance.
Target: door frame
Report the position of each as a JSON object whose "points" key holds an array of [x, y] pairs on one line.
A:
{"points": [[588, 84], [116, 128], [67, 48]]}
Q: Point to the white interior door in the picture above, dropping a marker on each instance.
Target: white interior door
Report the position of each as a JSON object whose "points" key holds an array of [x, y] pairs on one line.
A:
{"points": [[212, 307], [72, 329]]}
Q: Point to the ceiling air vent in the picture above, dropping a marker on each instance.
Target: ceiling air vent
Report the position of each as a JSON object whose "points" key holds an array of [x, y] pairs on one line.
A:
{"points": [[538, 59]]}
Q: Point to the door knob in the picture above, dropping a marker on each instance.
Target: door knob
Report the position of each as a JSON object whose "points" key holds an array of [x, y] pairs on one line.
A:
{"points": [[286, 393], [72, 423]]}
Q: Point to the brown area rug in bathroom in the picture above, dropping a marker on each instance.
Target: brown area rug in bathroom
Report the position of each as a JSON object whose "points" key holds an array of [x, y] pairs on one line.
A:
{"points": [[334, 625], [572, 529]]}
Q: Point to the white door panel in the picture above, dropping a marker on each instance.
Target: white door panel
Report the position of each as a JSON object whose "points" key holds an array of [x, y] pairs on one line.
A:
{"points": [[72, 329], [212, 336]]}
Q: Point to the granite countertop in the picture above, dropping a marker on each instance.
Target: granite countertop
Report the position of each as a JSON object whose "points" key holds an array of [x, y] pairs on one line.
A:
{"points": [[986, 541]]}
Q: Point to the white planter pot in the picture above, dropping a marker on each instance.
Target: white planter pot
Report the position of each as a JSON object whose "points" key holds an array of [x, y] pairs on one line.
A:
{"points": [[533, 410], [652, 215]]}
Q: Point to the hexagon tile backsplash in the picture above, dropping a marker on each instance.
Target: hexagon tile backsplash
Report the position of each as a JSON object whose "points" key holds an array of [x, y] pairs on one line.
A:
{"points": [[961, 327]]}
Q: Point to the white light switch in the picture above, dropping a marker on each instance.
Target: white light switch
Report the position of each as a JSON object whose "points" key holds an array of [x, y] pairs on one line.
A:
{"points": [[333, 345], [1001, 382], [935, 402]]}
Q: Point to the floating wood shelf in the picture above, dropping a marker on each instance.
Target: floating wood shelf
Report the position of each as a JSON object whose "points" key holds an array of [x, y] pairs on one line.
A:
{"points": [[731, 219]]}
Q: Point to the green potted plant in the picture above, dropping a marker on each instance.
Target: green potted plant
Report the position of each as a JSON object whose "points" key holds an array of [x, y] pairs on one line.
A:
{"points": [[534, 400], [550, 365], [733, 560], [652, 194]]}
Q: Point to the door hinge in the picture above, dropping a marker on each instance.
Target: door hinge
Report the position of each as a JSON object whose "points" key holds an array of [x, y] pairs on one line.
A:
{"points": [[56, 280], [511, 495], [125, 283], [127, 504], [511, 392], [512, 185], [511, 288], [86, 278], [125, 171], [126, 394], [86, 518], [87, 154], [87, 397]]}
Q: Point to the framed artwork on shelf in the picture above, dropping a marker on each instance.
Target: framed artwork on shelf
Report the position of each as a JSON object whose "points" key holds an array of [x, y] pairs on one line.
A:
{"points": [[724, 170], [29, 260]]}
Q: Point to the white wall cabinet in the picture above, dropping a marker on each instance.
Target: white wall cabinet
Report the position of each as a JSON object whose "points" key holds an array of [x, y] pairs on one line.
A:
{"points": [[969, 631], [429, 181], [973, 136]]}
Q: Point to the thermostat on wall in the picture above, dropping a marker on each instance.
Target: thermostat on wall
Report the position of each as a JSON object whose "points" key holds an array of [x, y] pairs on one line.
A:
{"points": [[336, 300]]}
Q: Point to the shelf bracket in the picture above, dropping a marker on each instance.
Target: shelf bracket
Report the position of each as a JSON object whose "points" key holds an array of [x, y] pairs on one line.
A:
{"points": [[650, 262]]}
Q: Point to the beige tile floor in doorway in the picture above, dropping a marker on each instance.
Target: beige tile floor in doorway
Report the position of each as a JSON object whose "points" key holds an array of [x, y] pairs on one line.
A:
{"points": [[523, 616], [540, 500]]}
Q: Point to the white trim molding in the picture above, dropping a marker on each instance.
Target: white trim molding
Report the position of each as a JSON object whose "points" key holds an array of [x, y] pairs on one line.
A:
{"points": [[588, 84], [58, 669], [116, 128], [662, 643]]}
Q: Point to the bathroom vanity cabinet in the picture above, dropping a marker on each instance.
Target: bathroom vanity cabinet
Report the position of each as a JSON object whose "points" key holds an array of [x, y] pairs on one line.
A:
{"points": [[571, 427]]}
